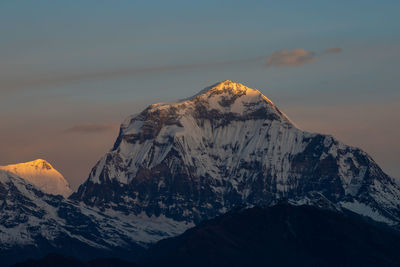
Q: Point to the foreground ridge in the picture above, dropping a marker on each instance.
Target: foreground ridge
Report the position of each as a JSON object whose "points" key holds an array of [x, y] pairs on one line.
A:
{"points": [[281, 235]]}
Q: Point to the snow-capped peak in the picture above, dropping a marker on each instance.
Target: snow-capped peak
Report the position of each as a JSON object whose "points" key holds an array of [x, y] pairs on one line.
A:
{"points": [[40, 173], [230, 88], [225, 97], [229, 144]]}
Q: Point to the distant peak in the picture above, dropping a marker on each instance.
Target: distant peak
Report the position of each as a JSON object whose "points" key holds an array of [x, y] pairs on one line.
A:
{"points": [[40, 173], [37, 163]]}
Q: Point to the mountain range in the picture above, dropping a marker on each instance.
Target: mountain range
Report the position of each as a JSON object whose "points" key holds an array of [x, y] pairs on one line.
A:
{"points": [[177, 165], [280, 235]]}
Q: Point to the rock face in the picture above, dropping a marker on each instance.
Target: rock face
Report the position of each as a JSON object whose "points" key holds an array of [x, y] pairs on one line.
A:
{"points": [[229, 145], [40, 173]]}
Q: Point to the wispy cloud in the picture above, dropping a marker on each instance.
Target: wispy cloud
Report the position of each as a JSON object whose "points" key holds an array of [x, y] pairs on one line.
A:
{"points": [[297, 57], [91, 128], [332, 50], [66, 78]]}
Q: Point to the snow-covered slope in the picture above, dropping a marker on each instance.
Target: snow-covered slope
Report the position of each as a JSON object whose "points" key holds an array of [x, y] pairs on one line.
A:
{"points": [[33, 223], [40, 173], [228, 145]]}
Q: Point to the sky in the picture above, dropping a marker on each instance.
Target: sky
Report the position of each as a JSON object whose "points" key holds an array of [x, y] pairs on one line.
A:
{"points": [[71, 71]]}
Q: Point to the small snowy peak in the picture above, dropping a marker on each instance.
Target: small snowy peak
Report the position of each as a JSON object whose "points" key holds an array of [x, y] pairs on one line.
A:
{"points": [[40, 173]]}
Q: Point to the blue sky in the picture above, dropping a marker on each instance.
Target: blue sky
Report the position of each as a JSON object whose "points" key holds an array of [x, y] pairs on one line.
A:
{"points": [[64, 64]]}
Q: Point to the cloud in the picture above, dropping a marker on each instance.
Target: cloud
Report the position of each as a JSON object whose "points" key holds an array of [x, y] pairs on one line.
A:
{"points": [[296, 57], [332, 50], [65, 78], [91, 128]]}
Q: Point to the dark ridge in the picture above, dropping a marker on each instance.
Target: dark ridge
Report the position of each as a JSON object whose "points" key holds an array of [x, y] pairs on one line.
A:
{"points": [[282, 235]]}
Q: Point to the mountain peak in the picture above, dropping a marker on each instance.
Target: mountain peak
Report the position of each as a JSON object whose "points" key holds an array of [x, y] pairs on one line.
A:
{"points": [[42, 174], [230, 88], [230, 85], [229, 145], [37, 164]]}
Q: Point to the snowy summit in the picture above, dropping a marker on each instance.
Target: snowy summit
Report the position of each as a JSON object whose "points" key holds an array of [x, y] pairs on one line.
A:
{"points": [[40, 173]]}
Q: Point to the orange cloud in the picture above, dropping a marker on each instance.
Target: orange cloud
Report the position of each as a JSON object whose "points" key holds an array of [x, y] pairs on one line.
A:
{"points": [[296, 57]]}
